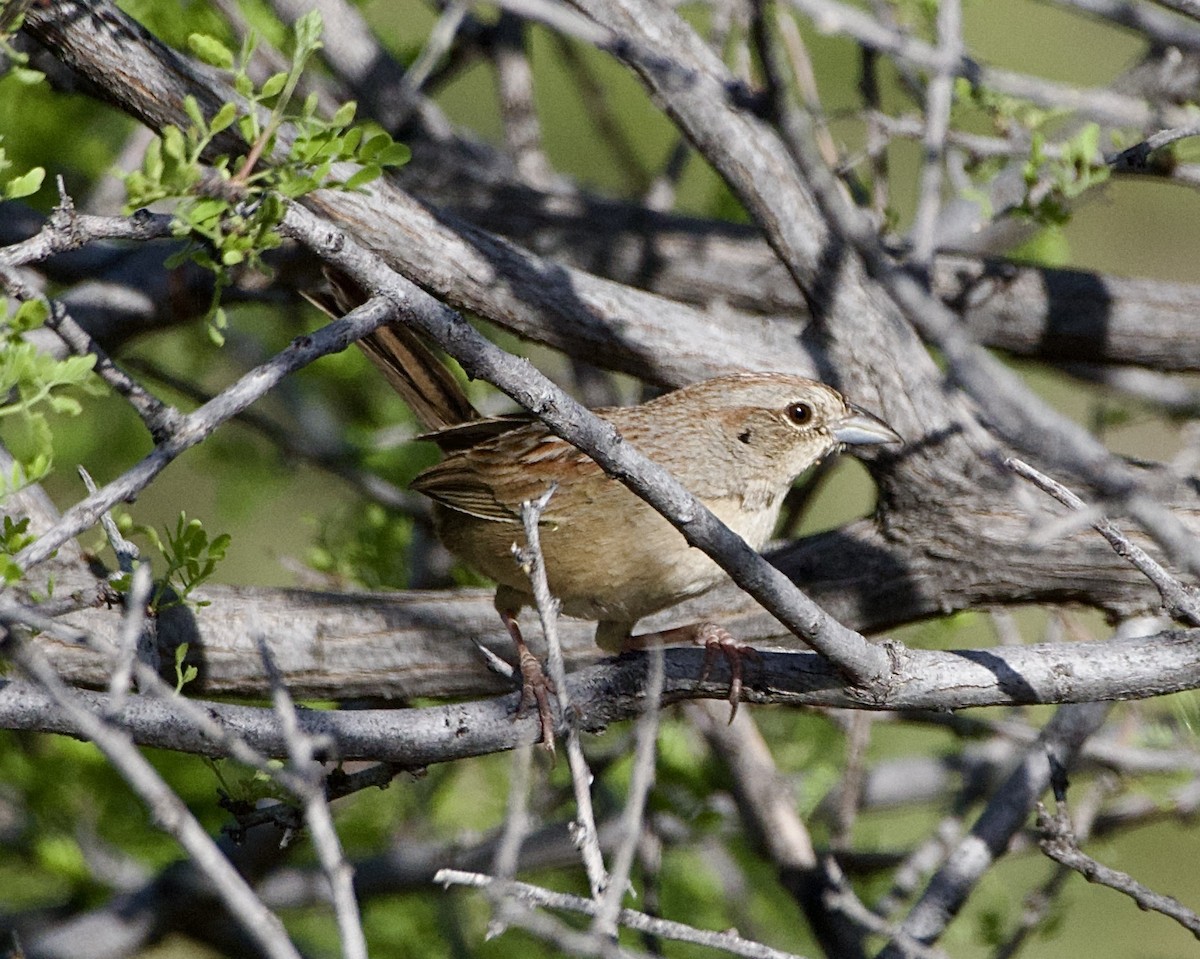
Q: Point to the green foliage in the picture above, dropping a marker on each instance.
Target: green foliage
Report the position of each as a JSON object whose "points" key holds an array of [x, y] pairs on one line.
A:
{"points": [[15, 62], [1053, 179], [191, 558], [14, 537], [183, 674], [1007, 114], [23, 185], [365, 545], [1053, 183], [35, 384], [233, 222], [243, 786]]}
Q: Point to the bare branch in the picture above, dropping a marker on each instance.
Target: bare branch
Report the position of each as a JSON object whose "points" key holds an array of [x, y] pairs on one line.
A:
{"points": [[168, 809], [581, 775], [938, 100], [1058, 842], [1006, 812], [302, 753], [1176, 597], [198, 425], [725, 941]]}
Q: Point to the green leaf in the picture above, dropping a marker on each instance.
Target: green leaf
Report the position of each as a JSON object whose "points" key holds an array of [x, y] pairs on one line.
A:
{"points": [[181, 674], [206, 210], [351, 141], [216, 325], [26, 76], [373, 147], [10, 572], [191, 106], [220, 546], [273, 85], [24, 185], [14, 535], [60, 854], [173, 146], [345, 114], [248, 127], [397, 154], [307, 31], [211, 50], [152, 162], [65, 405], [364, 176], [223, 117], [30, 315]]}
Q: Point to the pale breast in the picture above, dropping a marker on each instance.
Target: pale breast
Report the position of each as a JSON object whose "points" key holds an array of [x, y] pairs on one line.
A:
{"points": [[625, 563]]}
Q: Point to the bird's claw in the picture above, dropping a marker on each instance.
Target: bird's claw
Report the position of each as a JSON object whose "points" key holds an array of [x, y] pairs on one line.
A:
{"points": [[536, 689], [536, 686], [718, 641]]}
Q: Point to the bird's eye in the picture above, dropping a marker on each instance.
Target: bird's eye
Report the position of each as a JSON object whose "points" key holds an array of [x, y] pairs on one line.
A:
{"points": [[800, 414]]}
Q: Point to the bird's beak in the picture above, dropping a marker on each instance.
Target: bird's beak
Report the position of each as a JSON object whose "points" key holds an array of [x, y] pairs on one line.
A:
{"points": [[861, 428]]}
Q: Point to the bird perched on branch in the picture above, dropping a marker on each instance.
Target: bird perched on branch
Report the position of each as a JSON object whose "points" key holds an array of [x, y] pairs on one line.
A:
{"points": [[735, 442]]}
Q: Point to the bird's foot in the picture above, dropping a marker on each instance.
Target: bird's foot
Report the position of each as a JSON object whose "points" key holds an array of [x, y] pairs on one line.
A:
{"points": [[717, 641], [536, 686]]}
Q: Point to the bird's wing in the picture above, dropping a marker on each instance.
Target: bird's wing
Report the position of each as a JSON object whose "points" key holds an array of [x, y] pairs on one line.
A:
{"points": [[491, 479]]}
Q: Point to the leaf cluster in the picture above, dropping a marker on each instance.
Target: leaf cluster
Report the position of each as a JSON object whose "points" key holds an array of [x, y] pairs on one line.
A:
{"points": [[36, 385], [1053, 178], [232, 220], [1052, 183], [191, 557]]}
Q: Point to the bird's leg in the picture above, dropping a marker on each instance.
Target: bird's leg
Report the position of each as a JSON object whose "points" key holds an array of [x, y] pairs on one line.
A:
{"points": [[536, 686], [716, 640]]}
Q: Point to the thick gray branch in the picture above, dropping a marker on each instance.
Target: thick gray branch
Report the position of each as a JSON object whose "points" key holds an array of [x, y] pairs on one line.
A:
{"points": [[614, 690]]}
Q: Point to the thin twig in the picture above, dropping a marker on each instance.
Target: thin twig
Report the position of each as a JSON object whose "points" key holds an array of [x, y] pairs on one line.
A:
{"points": [[337, 457], [919, 864], [1189, 8], [858, 726], [630, 919], [1058, 842], [1177, 598], [842, 898], [1137, 156], [160, 419], [1038, 904], [168, 810], [199, 424], [136, 637], [938, 100], [1056, 750], [67, 229], [516, 828], [302, 750], [514, 81], [632, 820], [581, 776], [1103, 105]]}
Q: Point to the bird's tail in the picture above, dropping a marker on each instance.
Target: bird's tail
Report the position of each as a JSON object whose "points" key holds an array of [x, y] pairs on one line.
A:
{"points": [[412, 368]]}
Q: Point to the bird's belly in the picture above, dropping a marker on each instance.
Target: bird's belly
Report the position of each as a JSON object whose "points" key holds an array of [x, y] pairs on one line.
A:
{"points": [[633, 564]]}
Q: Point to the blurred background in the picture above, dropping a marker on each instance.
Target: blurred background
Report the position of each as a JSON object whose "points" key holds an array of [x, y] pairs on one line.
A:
{"points": [[69, 834]]}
